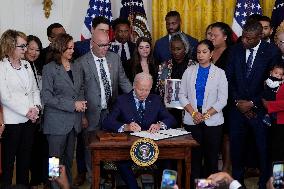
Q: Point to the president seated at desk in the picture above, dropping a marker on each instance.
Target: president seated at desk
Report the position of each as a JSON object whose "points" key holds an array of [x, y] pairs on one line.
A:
{"points": [[136, 111]]}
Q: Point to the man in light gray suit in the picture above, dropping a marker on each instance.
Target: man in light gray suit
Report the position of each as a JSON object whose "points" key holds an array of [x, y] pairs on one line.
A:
{"points": [[103, 74]]}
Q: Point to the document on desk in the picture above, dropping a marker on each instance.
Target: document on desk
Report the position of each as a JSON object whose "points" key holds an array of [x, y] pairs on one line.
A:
{"points": [[162, 134]]}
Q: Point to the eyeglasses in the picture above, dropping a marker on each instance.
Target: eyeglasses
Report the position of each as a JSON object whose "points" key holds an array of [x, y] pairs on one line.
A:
{"points": [[23, 46], [280, 43], [102, 45]]}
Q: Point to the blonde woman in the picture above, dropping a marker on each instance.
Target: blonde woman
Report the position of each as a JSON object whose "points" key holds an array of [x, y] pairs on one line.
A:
{"points": [[20, 99]]}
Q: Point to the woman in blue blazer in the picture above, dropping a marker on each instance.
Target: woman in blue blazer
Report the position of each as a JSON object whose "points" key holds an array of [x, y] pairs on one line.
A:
{"points": [[63, 99], [203, 94]]}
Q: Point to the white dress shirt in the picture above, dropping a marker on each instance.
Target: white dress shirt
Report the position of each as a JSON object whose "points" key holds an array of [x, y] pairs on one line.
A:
{"points": [[254, 52], [126, 47], [105, 65]]}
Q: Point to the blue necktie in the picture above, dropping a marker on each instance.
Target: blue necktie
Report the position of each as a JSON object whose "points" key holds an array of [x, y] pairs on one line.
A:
{"points": [[105, 81], [249, 63], [123, 57], [140, 112]]}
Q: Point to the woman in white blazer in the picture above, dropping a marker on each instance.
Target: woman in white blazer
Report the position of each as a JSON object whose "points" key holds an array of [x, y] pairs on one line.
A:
{"points": [[20, 98], [203, 94]]}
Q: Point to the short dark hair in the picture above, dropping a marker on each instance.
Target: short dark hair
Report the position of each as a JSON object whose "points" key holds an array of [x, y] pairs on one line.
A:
{"points": [[252, 26], [36, 39], [51, 27], [266, 19], [226, 30], [253, 17], [277, 65], [120, 21], [99, 20], [208, 43], [173, 14]]}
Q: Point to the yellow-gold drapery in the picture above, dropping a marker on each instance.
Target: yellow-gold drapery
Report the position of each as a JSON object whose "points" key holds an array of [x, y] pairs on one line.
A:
{"points": [[196, 15]]}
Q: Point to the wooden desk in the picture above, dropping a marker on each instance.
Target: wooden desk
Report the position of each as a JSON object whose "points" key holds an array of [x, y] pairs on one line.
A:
{"points": [[178, 148]]}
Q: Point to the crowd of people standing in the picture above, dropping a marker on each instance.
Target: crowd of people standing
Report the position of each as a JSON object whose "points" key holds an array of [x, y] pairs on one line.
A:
{"points": [[52, 97]]}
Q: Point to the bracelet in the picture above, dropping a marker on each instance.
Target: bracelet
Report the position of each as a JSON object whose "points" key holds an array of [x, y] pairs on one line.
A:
{"points": [[193, 114], [207, 115]]}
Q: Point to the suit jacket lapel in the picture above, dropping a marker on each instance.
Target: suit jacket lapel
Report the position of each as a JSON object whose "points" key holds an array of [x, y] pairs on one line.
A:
{"points": [[65, 75], [243, 63], [258, 57], [30, 76], [110, 68], [92, 65], [193, 88], [211, 74], [148, 111], [133, 108], [75, 76]]}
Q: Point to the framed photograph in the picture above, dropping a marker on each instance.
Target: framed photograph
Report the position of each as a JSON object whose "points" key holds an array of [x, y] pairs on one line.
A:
{"points": [[171, 99]]}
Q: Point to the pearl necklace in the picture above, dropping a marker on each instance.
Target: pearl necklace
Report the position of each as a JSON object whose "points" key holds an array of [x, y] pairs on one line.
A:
{"points": [[15, 67]]}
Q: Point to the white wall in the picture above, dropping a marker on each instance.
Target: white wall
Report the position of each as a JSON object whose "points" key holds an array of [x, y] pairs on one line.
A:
{"points": [[28, 16]]}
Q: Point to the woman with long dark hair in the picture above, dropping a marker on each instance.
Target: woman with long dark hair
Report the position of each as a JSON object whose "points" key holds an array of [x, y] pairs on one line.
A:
{"points": [[142, 61]]}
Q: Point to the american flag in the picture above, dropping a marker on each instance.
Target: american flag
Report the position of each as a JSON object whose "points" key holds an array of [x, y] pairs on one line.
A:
{"points": [[96, 8], [277, 13], [244, 8], [131, 7], [134, 11]]}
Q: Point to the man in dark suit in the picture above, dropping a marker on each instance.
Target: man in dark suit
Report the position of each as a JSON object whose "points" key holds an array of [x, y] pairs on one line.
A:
{"points": [[248, 66], [121, 43], [136, 111], [162, 46]]}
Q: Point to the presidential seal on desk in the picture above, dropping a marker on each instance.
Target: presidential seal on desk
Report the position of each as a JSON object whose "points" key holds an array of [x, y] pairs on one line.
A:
{"points": [[144, 152]]}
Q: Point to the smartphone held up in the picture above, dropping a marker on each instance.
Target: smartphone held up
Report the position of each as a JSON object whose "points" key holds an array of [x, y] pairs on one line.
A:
{"points": [[53, 167], [169, 179]]}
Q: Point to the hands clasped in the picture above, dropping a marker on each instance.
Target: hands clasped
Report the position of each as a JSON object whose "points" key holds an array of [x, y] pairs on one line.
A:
{"points": [[245, 107], [198, 117], [80, 106], [33, 114]]}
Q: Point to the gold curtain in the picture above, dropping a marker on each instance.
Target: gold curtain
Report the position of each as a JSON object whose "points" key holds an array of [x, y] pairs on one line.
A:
{"points": [[196, 15]]}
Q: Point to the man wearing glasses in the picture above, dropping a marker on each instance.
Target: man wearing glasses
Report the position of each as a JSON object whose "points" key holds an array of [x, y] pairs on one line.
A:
{"points": [[103, 75], [99, 25]]}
